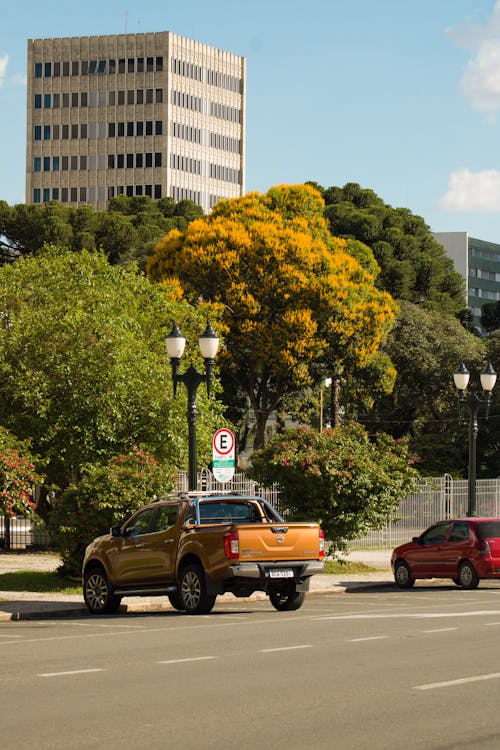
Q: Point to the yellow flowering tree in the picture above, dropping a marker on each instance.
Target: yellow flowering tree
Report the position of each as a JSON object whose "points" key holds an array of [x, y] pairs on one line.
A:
{"points": [[288, 296]]}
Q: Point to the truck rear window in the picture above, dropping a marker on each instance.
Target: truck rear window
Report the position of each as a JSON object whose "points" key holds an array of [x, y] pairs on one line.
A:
{"points": [[229, 513], [488, 530]]}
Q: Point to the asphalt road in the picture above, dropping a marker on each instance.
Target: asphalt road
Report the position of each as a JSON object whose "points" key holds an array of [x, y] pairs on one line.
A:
{"points": [[365, 671]]}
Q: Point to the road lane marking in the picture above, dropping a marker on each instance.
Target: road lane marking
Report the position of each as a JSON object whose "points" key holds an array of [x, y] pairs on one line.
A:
{"points": [[11, 636], [283, 648], [182, 661], [369, 638], [68, 672], [461, 681], [491, 623], [439, 630], [409, 615]]}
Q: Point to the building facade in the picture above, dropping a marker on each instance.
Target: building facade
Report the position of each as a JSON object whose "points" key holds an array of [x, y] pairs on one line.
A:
{"points": [[151, 114], [478, 262]]}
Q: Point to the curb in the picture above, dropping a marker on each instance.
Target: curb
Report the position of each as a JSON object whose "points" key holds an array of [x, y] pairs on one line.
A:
{"points": [[54, 610]]}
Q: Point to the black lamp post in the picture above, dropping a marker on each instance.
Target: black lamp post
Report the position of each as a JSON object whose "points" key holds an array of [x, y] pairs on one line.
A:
{"points": [[209, 343], [474, 403]]}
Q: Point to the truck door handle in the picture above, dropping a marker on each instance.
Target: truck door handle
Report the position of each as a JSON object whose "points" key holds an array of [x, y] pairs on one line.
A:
{"points": [[167, 541]]}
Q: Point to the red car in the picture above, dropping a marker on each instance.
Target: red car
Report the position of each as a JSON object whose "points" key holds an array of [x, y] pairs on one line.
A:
{"points": [[463, 549]]}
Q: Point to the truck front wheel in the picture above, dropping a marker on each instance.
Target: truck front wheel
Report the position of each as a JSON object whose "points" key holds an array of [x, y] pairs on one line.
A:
{"points": [[193, 591], [287, 600]]}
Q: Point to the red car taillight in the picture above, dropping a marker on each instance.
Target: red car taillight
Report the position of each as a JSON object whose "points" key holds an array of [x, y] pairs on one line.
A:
{"points": [[321, 543], [232, 545]]}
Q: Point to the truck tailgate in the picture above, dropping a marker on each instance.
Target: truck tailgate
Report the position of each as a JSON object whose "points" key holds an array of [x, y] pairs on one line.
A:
{"points": [[274, 542]]}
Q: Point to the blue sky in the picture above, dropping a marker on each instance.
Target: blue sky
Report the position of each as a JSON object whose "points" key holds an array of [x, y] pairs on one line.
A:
{"points": [[401, 96]]}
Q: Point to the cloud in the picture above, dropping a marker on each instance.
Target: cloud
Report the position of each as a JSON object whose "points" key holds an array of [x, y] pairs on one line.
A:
{"points": [[3, 68], [472, 191], [480, 82]]}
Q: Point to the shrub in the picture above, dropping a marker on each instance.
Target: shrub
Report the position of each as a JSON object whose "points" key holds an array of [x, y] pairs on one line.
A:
{"points": [[342, 478], [106, 495]]}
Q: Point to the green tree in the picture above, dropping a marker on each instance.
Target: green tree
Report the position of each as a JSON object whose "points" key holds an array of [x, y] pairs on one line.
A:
{"points": [[348, 482], [83, 367], [413, 264], [127, 232], [289, 295], [426, 348], [18, 475], [106, 495], [490, 316]]}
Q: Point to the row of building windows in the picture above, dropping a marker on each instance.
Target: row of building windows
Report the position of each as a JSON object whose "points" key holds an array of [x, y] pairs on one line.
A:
{"points": [[204, 137], [198, 104], [475, 252], [484, 293], [480, 273], [83, 162], [98, 67], [100, 194], [98, 98], [98, 130], [93, 194], [199, 167], [148, 160], [205, 75]]}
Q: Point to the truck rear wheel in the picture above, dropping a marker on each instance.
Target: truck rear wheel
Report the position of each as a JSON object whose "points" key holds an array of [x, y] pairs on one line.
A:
{"points": [[287, 600], [193, 591]]}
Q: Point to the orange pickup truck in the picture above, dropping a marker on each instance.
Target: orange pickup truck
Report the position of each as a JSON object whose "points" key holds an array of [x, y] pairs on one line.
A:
{"points": [[196, 546]]}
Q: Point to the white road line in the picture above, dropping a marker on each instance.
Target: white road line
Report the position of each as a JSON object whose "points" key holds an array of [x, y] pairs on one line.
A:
{"points": [[11, 636], [369, 638], [461, 681], [409, 615], [439, 630], [283, 648], [72, 671], [182, 661], [491, 623]]}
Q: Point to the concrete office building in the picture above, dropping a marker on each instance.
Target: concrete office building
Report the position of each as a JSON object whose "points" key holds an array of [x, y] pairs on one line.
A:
{"points": [[151, 114], [479, 264]]}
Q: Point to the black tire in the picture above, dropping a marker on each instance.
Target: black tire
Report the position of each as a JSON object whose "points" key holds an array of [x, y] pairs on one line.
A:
{"points": [[467, 576], [98, 593], [193, 591], [288, 600], [402, 575], [176, 601]]}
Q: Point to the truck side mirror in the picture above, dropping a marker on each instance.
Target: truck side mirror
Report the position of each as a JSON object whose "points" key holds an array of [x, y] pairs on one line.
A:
{"points": [[115, 531]]}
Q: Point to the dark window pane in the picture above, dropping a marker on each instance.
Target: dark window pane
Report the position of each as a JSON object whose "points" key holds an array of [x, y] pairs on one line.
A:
{"points": [[130, 161], [131, 64], [112, 66], [159, 63], [138, 160], [149, 160], [38, 132], [149, 127], [130, 128], [140, 65], [157, 192], [75, 68], [38, 101], [158, 127], [48, 70], [150, 61], [47, 101], [57, 69], [36, 195], [121, 65], [65, 68], [158, 159], [120, 161], [121, 129], [111, 130], [139, 130], [38, 70]]}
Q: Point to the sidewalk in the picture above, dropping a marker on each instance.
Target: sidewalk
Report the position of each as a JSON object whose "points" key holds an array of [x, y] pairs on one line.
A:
{"points": [[27, 605]]}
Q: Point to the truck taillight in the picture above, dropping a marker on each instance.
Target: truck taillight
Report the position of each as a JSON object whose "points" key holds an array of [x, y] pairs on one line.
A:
{"points": [[232, 545], [321, 543]]}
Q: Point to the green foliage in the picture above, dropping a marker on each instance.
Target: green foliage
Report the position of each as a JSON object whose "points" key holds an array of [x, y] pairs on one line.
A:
{"points": [[106, 495], [127, 232], [490, 316], [413, 264], [17, 475], [426, 348], [83, 368], [290, 297], [348, 482]]}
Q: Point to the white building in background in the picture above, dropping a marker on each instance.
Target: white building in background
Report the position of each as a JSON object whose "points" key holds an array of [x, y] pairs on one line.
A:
{"points": [[151, 114], [478, 262]]}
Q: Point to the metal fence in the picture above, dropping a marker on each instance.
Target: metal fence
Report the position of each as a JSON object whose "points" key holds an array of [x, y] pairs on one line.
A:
{"points": [[441, 497], [437, 498]]}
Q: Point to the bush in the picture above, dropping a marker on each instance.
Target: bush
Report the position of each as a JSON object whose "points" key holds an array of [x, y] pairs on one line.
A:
{"points": [[348, 482], [105, 496]]}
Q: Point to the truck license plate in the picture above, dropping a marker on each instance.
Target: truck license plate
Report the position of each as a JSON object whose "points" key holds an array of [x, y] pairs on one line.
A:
{"points": [[281, 573]]}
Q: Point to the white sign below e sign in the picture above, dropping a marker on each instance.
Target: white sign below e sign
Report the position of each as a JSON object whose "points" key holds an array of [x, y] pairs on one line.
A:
{"points": [[223, 455]]}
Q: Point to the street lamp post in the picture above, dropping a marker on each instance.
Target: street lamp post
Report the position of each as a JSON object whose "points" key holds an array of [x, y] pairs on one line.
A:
{"points": [[209, 343], [474, 403]]}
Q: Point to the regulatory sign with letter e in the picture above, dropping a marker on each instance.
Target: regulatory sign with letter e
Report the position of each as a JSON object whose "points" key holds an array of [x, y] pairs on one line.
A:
{"points": [[223, 455]]}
